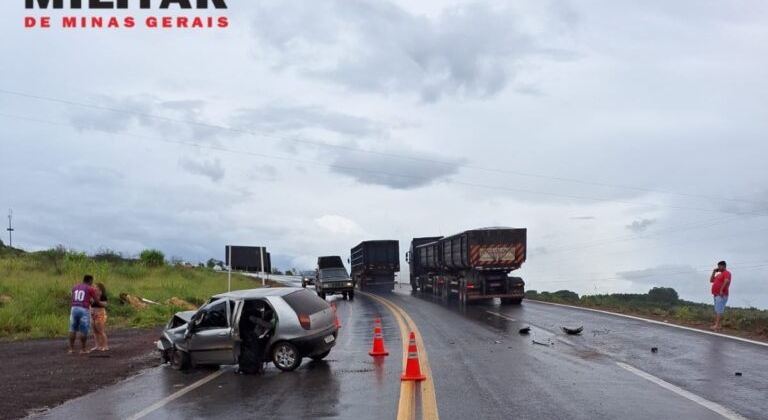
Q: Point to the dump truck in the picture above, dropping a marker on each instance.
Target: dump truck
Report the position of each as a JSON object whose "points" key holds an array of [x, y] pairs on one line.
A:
{"points": [[415, 267], [374, 264], [471, 265], [332, 278]]}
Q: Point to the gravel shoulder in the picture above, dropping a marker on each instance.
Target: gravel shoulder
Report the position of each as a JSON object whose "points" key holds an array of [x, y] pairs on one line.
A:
{"points": [[39, 374]]}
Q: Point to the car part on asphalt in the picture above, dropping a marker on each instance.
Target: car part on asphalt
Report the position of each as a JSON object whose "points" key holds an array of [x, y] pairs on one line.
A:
{"points": [[525, 330], [573, 331]]}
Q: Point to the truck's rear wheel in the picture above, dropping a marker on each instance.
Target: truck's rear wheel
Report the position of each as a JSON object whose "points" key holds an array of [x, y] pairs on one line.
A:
{"points": [[351, 295]]}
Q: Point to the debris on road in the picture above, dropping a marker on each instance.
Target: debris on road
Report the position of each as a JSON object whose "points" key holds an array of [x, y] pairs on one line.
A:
{"points": [[525, 330], [573, 331], [132, 301], [180, 303], [738, 373], [151, 302], [541, 343], [654, 349]]}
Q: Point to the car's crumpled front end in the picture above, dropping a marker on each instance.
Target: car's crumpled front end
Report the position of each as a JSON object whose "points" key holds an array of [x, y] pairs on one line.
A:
{"points": [[174, 334]]}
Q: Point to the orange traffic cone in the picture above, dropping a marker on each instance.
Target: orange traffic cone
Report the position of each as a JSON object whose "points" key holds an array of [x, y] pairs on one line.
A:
{"points": [[335, 317], [412, 368], [378, 341]]}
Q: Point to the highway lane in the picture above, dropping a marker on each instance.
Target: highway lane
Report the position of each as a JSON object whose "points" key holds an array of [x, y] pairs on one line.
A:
{"points": [[482, 368], [478, 353]]}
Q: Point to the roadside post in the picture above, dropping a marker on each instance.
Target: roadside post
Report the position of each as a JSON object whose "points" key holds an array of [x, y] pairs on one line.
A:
{"points": [[229, 276], [261, 254]]}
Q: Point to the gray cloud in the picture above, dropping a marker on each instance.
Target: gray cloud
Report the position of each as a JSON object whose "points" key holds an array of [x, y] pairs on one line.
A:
{"points": [[583, 218], [395, 173], [640, 225], [276, 118], [471, 50], [173, 118], [211, 169]]}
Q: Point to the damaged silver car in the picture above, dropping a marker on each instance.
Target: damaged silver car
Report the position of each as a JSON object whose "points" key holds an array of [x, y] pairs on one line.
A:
{"points": [[287, 324]]}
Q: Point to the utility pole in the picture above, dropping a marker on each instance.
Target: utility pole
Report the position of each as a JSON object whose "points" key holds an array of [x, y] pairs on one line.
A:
{"points": [[10, 228], [229, 275]]}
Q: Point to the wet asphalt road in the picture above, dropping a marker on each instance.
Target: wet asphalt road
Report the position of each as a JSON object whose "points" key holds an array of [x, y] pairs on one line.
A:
{"points": [[482, 369]]}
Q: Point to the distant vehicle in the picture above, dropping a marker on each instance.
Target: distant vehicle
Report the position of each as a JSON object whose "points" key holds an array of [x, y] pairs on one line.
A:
{"points": [[308, 277], [469, 266], [303, 327], [332, 278], [414, 267], [374, 264]]}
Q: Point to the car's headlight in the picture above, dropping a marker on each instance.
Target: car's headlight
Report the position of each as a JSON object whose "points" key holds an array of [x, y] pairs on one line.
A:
{"points": [[349, 283]]}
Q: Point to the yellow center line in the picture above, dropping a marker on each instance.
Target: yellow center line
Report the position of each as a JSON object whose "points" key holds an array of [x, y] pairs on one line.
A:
{"points": [[406, 406]]}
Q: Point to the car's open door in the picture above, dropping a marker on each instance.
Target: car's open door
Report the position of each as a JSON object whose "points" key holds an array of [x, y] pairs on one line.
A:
{"points": [[212, 341]]}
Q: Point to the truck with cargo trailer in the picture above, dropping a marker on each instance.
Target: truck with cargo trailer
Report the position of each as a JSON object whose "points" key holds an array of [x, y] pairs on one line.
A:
{"points": [[332, 278], [374, 264], [472, 265], [415, 268]]}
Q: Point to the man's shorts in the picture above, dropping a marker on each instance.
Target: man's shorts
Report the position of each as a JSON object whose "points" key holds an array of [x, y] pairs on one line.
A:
{"points": [[79, 320], [720, 302]]}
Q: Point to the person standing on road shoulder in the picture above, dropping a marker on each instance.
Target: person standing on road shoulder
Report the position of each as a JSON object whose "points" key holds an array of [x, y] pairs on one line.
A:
{"points": [[99, 319], [80, 316], [721, 280]]}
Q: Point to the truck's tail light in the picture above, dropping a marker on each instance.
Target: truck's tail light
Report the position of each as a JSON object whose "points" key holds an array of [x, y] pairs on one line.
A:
{"points": [[304, 321]]}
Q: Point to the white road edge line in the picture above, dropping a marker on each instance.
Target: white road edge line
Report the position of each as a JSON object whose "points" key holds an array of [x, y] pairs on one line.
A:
{"points": [[717, 408], [651, 321], [176, 395], [502, 316]]}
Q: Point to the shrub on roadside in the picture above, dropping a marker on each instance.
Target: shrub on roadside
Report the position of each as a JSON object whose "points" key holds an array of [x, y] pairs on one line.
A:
{"points": [[152, 258]]}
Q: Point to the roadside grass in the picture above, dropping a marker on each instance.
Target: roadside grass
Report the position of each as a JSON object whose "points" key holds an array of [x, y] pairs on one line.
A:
{"points": [[35, 291], [751, 322]]}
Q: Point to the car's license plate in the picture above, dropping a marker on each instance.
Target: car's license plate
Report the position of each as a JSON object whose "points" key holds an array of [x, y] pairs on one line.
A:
{"points": [[329, 339]]}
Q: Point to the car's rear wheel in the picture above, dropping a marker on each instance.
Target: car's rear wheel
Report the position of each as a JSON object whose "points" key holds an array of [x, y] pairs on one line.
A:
{"points": [[285, 356], [179, 359], [320, 356]]}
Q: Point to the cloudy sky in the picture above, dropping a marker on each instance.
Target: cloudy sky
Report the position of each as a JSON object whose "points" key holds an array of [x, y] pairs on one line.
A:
{"points": [[628, 137]]}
